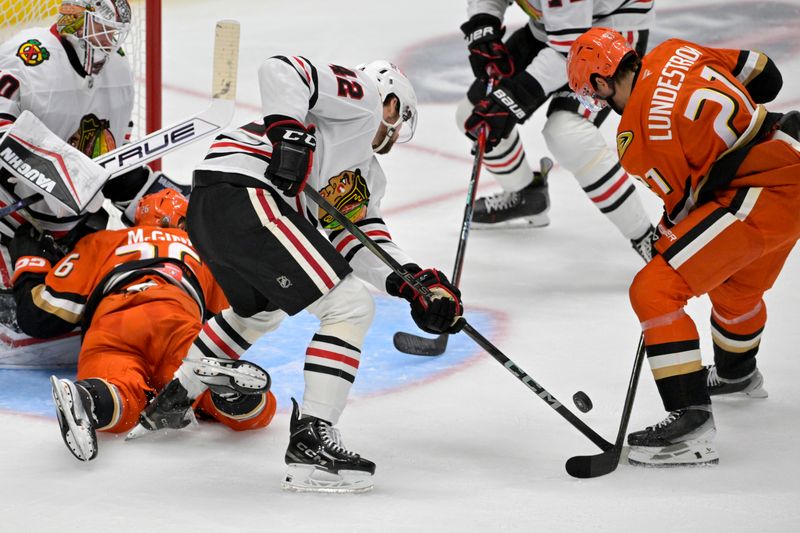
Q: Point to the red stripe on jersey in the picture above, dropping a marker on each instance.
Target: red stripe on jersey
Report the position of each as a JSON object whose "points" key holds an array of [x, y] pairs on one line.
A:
{"points": [[211, 334], [612, 190], [260, 194], [374, 233], [508, 163], [316, 352], [303, 66], [244, 147], [4, 122], [5, 277], [562, 43]]}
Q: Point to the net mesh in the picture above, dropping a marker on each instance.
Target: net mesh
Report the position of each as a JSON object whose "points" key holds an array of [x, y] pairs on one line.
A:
{"points": [[21, 14]]}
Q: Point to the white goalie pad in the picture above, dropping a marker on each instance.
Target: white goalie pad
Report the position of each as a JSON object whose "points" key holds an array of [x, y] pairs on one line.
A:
{"points": [[43, 163], [17, 350]]}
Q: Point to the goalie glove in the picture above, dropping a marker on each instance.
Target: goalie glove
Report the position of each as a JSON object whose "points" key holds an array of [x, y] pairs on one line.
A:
{"points": [[440, 312], [292, 153], [32, 253], [511, 102], [488, 56]]}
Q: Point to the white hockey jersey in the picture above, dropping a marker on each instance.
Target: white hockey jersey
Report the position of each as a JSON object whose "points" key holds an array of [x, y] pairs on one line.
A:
{"points": [[559, 22], [344, 106], [40, 74]]}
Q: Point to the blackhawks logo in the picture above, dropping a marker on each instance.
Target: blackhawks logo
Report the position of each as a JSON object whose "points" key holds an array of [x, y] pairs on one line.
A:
{"points": [[347, 192], [32, 53], [93, 138]]}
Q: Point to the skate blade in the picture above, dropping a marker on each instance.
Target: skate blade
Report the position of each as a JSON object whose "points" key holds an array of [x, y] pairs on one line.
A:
{"points": [[307, 478], [244, 377], [536, 221], [683, 454], [79, 440], [140, 431]]}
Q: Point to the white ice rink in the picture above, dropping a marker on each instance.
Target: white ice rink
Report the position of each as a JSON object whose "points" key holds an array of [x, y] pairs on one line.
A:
{"points": [[475, 450]]}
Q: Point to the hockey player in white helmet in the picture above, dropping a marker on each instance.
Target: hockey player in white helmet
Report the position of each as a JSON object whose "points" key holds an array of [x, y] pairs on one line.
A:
{"points": [[321, 127], [530, 69], [76, 80]]}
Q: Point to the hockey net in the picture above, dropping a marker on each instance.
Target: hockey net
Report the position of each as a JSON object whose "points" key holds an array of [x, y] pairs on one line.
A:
{"points": [[143, 48]]}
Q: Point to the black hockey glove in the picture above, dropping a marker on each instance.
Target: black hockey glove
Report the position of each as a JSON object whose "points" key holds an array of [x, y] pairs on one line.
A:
{"points": [[488, 56], [33, 252], [510, 103], [440, 314], [292, 153]]}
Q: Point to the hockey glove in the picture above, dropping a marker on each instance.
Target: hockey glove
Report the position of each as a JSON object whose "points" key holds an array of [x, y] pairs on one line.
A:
{"points": [[488, 56], [510, 103], [292, 153], [32, 252], [441, 311]]}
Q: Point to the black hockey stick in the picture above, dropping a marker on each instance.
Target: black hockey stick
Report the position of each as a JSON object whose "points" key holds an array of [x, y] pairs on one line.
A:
{"points": [[22, 203], [398, 269], [588, 466], [416, 344]]}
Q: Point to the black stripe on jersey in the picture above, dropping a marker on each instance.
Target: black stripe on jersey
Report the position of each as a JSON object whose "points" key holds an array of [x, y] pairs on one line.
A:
{"points": [[289, 62], [7, 116], [735, 336], [239, 152], [494, 157], [738, 200], [335, 234], [69, 296], [655, 350], [255, 128], [355, 249], [687, 193], [232, 333], [510, 170], [313, 100], [619, 202], [694, 233], [607, 176], [625, 11], [335, 341], [311, 367], [200, 345], [740, 62], [569, 31]]}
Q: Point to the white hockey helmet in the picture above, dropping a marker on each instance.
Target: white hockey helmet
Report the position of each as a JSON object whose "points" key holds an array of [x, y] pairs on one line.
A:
{"points": [[391, 81], [95, 29]]}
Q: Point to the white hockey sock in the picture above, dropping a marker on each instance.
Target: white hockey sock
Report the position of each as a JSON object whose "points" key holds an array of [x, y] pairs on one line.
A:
{"points": [[507, 164]]}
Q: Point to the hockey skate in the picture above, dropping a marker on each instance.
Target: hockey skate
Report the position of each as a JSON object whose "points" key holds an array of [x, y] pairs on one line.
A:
{"points": [[644, 245], [171, 409], [684, 438], [526, 208], [318, 461], [75, 417], [750, 386]]}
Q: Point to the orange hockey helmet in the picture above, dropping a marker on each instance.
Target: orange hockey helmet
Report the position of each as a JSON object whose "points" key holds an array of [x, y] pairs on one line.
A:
{"points": [[165, 209], [599, 51]]}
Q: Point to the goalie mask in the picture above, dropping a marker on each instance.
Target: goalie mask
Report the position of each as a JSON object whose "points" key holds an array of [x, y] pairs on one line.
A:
{"points": [[95, 29], [391, 81], [165, 209]]}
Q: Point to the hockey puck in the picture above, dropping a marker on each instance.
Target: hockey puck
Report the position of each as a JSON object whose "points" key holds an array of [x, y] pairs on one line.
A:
{"points": [[582, 401]]}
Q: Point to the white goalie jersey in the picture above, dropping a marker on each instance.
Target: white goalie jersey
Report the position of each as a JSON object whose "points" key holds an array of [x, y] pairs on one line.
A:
{"points": [[40, 74], [559, 22], [344, 106]]}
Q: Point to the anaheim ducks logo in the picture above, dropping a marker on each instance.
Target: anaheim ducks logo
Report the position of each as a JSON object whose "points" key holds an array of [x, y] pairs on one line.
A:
{"points": [[349, 194], [624, 140], [32, 53], [93, 138]]}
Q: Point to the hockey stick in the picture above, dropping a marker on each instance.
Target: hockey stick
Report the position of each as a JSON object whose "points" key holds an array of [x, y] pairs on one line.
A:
{"points": [[588, 466], [159, 143], [398, 269], [415, 344]]}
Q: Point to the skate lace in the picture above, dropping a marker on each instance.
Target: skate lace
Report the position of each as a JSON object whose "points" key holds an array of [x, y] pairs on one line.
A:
{"points": [[712, 379], [644, 245], [501, 200], [671, 417], [332, 438]]}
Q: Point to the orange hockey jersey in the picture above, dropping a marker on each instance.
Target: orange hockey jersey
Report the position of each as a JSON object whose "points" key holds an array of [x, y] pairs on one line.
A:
{"points": [[688, 108], [97, 264]]}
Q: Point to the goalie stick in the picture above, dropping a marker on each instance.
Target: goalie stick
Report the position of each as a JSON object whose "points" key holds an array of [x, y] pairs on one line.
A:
{"points": [[589, 466], [484, 343], [416, 344], [159, 143]]}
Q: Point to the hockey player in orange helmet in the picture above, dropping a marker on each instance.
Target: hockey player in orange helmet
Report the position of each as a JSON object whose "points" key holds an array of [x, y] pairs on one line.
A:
{"points": [[695, 131], [140, 295]]}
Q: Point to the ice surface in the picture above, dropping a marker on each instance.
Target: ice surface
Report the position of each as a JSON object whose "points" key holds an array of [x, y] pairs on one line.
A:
{"points": [[473, 450]]}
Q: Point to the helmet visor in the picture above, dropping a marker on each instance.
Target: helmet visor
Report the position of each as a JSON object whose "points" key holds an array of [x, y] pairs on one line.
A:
{"points": [[103, 34], [406, 125]]}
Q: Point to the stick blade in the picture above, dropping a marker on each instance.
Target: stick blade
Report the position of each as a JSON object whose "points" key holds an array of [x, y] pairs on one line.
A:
{"points": [[226, 59], [591, 466], [416, 345]]}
